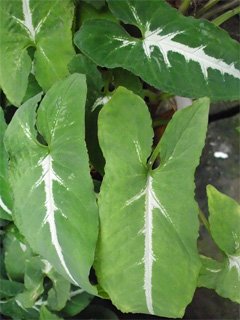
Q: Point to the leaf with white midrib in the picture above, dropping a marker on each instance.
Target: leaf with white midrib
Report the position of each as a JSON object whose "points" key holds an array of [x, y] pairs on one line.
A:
{"points": [[46, 180], [42, 25], [172, 48], [149, 215]]}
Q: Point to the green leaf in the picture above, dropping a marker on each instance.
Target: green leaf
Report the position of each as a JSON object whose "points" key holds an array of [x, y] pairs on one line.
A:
{"points": [[10, 288], [150, 216], [87, 12], [98, 4], [55, 203], [32, 89], [33, 282], [128, 80], [16, 252], [12, 309], [224, 222], [59, 293], [5, 190], [45, 26], [78, 301], [172, 48], [82, 64], [45, 314], [223, 277]]}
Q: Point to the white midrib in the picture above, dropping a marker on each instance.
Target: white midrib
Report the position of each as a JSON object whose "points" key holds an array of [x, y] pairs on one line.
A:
{"points": [[151, 203], [48, 176], [28, 18], [4, 206], [148, 249], [165, 44]]}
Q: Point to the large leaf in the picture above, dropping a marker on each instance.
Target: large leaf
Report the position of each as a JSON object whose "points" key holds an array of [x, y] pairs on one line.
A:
{"points": [[44, 25], [172, 48], [54, 199], [147, 258], [223, 276], [5, 190]]}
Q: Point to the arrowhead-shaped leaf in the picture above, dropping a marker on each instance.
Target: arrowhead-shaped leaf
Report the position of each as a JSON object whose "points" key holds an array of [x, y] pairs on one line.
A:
{"points": [[5, 190], [55, 206], [172, 48], [147, 248], [44, 25], [224, 221]]}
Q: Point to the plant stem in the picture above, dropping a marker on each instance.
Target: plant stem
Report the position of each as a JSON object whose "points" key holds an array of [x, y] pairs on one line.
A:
{"points": [[219, 9], [226, 16], [154, 155], [184, 6], [206, 7], [204, 220], [160, 122]]}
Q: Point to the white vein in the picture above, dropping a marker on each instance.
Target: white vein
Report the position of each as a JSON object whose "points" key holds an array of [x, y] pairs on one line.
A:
{"points": [[213, 270], [4, 206], [166, 44], [101, 101], [151, 203], [125, 42], [26, 129], [23, 246], [47, 266], [234, 262], [138, 149], [48, 177]]}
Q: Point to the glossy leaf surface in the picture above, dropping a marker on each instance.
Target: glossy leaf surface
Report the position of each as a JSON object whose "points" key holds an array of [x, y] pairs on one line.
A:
{"points": [[171, 48]]}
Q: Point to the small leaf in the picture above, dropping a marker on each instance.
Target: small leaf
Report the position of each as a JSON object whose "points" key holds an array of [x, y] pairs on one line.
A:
{"points": [[10, 288], [57, 178], [223, 277], [14, 310], [77, 302], [16, 252], [224, 221], [171, 48], [33, 282], [59, 293], [45, 314], [149, 215]]}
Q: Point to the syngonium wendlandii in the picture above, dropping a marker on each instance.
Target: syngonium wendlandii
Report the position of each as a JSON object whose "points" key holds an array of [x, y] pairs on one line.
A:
{"points": [[171, 48], [147, 249], [54, 202]]}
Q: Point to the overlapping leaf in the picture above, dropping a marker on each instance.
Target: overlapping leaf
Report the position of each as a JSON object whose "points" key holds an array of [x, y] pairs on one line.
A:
{"points": [[223, 276], [5, 190], [182, 55], [54, 199], [43, 25], [147, 248]]}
